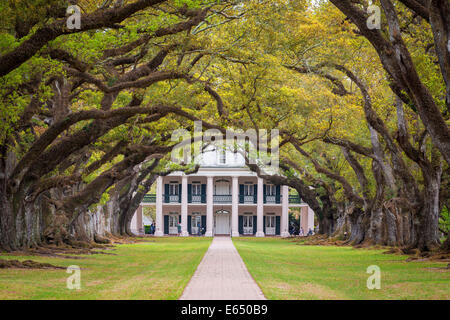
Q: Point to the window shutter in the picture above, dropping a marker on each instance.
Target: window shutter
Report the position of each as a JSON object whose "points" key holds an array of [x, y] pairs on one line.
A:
{"points": [[264, 192], [166, 193], [241, 193], [203, 194], [277, 194], [277, 225], [189, 224], [203, 224], [166, 224], [189, 193], [255, 193], [179, 193], [254, 224], [264, 224], [241, 225]]}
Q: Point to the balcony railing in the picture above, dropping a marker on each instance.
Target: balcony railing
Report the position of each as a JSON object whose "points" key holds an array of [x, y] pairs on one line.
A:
{"points": [[226, 198], [149, 198], [247, 198], [198, 198], [295, 199], [168, 198]]}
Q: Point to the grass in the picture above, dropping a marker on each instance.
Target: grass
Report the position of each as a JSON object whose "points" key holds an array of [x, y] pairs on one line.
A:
{"points": [[286, 270], [159, 269]]}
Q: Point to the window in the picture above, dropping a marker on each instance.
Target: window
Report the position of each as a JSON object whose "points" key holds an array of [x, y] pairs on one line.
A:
{"points": [[222, 156], [248, 189], [270, 190], [248, 221], [173, 220], [173, 189], [270, 221], [196, 189], [270, 224]]}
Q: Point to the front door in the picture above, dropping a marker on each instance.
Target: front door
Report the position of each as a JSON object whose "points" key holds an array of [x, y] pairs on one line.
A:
{"points": [[248, 224], [222, 223], [270, 225], [196, 224], [173, 224]]}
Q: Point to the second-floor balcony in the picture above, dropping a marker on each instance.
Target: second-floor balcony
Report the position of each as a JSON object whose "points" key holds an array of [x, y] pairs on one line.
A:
{"points": [[222, 198], [227, 198]]}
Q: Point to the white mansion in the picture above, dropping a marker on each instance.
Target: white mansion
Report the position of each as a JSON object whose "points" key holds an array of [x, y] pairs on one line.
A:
{"points": [[223, 198]]}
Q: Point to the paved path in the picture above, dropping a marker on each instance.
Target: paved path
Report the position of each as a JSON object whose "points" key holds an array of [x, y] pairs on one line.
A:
{"points": [[222, 275]]}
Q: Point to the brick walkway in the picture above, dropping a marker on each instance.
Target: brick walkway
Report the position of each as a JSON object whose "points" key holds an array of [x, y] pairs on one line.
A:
{"points": [[222, 275]]}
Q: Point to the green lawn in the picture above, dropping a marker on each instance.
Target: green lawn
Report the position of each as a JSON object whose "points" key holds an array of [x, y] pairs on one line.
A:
{"points": [[286, 270], [159, 269]]}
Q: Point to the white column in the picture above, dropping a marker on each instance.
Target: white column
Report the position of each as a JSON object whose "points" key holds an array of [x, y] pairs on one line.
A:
{"points": [[304, 219], [284, 228], [159, 232], [260, 209], [209, 207], [310, 219], [184, 206], [235, 208]]}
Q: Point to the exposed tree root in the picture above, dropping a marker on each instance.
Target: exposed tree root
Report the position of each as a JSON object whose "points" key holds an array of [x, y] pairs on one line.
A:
{"points": [[70, 249], [65, 251], [101, 240], [438, 254], [129, 239], [318, 240], [27, 264]]}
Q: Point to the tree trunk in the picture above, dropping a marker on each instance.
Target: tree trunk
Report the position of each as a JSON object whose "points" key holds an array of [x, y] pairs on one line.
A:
{"points": [[358, 225], [428, 227]]}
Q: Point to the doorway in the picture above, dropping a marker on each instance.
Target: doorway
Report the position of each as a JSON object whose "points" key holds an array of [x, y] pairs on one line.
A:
{"points": [[222, 223], [196, 223]]}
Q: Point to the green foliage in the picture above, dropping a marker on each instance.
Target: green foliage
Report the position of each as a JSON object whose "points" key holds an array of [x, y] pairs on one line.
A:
{"points": [[444, 219]]}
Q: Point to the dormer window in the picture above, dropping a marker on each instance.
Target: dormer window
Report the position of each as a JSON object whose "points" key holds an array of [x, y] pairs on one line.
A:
{"points": [[222, 156]]}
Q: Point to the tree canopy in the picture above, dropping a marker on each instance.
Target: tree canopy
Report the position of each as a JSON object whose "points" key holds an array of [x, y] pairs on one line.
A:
{"points": [[363, 113]]}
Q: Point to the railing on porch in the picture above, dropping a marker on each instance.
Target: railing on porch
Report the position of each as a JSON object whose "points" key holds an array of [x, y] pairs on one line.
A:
{"points": [[226, 198], [271, 199]]}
